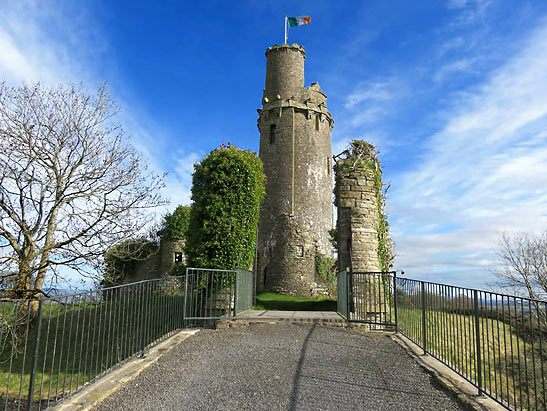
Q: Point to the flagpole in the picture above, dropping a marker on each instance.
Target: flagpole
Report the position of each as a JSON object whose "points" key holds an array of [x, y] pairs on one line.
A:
{"points": [[285, 30]]}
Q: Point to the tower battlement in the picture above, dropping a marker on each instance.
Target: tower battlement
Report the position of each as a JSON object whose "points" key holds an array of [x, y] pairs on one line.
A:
{"points": [[286, 47]]}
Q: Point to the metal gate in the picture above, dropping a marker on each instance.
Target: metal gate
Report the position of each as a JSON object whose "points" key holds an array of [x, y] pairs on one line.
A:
{"points": [[367, 297], [213, 295]]}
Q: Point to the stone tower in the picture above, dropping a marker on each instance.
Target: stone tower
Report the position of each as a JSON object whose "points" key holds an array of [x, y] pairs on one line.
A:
{"points": [[357, 223], [295, 148]]}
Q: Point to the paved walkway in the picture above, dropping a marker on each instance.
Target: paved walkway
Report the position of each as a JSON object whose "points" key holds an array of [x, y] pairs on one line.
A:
{"points": [[304, 316], [283, 367]]}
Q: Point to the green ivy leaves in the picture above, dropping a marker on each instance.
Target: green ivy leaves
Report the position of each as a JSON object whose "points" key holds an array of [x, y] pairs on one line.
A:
{"points": [[227, 188]]}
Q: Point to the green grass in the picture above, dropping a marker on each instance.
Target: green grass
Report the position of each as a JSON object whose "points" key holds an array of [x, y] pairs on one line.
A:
{"points": [[272, 301]]}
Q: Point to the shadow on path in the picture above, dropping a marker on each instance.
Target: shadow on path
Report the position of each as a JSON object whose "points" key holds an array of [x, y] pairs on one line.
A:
{"points": [[298, 372]]}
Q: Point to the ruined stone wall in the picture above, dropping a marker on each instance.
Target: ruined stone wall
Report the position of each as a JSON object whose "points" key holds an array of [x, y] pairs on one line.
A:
{"points": [[157, 265], [167, 255], [296, 213], [358, 218]]}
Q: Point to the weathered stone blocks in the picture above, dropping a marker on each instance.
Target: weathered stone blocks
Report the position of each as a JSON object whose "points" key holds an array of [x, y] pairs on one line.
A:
{"points": [[357, 227]]}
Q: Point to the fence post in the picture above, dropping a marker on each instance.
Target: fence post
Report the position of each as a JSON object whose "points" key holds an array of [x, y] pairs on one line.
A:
{"points": [[184, 323], [143, 318], [424, 339], [348, 294], [235, 294], [478, 340], [35, 355], [395, 300]]}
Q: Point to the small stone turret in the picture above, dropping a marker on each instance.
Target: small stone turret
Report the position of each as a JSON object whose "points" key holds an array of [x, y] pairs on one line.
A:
{"points": [[284, 72], [364, 244], [295, 148], [357, 223]]}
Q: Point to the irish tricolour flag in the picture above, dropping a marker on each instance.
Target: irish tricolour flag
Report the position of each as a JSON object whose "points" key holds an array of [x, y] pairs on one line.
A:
{"points": [[295, 21], [298, 21]]}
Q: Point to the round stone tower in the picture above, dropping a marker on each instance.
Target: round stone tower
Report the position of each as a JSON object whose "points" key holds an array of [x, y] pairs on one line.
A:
{"points": [[295, 148]]}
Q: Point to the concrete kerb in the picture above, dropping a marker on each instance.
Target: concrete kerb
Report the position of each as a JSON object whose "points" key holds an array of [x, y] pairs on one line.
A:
{"points": [[99, 390], [463, 391], [244, 323], [295, 317]]}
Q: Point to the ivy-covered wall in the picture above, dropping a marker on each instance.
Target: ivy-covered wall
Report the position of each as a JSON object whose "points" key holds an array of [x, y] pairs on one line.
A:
{"points": [[363, 237], [227, 188], [143, 258]]}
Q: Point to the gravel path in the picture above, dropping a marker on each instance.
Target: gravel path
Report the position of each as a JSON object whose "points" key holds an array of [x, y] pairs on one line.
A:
{"points": [[283, 367]]}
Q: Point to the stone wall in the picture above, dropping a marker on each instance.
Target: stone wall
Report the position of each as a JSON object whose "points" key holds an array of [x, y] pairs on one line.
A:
{"points": [[357, 223], [159, 264], [295, 148]]}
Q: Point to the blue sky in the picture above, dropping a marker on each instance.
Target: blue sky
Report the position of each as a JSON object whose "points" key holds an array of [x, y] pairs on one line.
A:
{"points": [[453, 93]]}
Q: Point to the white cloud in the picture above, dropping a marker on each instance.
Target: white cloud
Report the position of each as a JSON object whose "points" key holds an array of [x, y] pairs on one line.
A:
{"points": [[452, 44], [484, 172], [470, 11], [456, 4], [370, 93], [39, 43], [457, 66], [179, 183], [371, 102], [59, 45]]}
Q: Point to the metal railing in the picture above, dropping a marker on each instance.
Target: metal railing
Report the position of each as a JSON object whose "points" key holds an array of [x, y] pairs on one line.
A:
{"points": [[244, 290], [210, 295], [50, 348], [370, 297], [497, 342], [343, 293]]}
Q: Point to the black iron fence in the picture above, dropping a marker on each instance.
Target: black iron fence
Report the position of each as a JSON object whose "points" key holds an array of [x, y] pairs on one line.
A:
{"points": [[51, 348], [497, 342], [216, 294], [244, 290], [370, 298]]}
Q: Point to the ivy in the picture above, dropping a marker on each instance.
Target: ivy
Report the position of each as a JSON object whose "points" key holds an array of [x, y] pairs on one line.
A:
{"points": [[325, 267], [227, 188], [175, 225]]}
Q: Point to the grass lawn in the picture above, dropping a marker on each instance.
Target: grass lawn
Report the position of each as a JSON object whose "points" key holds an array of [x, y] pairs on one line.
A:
{"points": [[272, 301]]}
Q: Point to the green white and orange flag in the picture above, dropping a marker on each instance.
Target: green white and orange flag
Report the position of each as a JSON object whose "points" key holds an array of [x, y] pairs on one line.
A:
{"points": [[298, 21], [295, 21]]}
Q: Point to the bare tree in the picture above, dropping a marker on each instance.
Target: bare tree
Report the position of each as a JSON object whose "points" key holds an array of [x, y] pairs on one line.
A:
{"points": [[70, 185], [524, 258]]}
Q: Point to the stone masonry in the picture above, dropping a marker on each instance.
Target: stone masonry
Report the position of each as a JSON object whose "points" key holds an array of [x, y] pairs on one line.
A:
{"points": [[157, 265], [295, 148], [357, 226], [357, 221]]}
